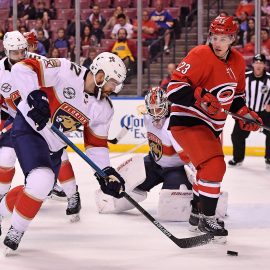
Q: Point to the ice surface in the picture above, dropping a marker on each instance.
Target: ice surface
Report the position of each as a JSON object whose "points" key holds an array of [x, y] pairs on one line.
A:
{"points": [[129, 241]]}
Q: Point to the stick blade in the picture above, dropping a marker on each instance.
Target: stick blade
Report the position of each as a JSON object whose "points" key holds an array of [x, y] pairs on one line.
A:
{"points": [[195, 241]]}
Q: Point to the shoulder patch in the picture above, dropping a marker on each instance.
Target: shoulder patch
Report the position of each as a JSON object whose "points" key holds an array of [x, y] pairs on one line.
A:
{"points": [[51, 63]]}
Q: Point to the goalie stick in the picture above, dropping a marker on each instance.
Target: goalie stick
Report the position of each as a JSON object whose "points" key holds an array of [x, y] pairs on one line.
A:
{"points": [[120, 135], [181, 242], [237, 116]]}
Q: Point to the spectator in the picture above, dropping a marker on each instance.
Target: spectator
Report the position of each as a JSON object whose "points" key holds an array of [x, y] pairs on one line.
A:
{"points": [[26, 10], [265, 8], [265, 47], [258, 99], [96, 16], [126, 50], [61, 41], [39, 26], [2, 33], [87, 38], [245, 6], [71, 28], [170, 68], [164, 21], [149, 33], [249, 48], [43, 13], [113, 20], [250, 30], [91, 55], [239, 38], [97, 31], [22, 29], [243, 21], [122, 23], [223, 13], [54, 53], [45, 41]]}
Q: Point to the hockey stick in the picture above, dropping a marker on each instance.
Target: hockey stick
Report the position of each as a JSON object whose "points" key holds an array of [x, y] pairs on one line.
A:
{"points": [[181, 242], [237, 116], [120, 135]]}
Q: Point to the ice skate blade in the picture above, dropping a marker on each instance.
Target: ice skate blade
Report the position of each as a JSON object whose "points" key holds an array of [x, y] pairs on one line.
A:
{"points": [[236, 165], [221, 240], [57, 198], [74, 218], [193, 229], [8, 252]]}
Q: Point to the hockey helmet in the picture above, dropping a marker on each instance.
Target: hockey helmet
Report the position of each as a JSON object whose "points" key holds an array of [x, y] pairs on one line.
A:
{"points": [[14, 41], [156, 103], [223, 25], [31, 39], [113, 68]]}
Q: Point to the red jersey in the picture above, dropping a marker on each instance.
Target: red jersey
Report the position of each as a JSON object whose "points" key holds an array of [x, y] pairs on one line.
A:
{"points": [[202, 68]]}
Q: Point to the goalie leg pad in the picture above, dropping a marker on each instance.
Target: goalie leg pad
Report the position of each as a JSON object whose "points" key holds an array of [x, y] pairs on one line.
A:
{"points": [[133, 171], [174, 204], [107, 204], [222, 205]]}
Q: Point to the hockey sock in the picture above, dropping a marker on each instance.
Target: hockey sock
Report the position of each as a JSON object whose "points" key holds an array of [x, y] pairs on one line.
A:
{"points": [[208, 205], [6, 176], [67, 178], [8, 202], [26, 208]]}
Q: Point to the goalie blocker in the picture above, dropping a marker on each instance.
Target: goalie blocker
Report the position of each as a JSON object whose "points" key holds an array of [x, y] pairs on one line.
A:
{"points": [[173, 205]]}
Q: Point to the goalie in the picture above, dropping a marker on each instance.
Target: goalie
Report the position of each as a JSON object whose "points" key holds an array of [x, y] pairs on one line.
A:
{"points": [[166, 163]]}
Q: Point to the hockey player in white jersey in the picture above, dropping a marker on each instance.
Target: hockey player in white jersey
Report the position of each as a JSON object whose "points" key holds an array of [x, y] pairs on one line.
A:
{"points": [[79, 97], [166, 163]]}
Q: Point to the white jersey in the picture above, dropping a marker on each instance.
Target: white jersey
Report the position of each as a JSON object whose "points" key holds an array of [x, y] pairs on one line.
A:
{"points": [[163, 147], [71, 107], [8, 91]]}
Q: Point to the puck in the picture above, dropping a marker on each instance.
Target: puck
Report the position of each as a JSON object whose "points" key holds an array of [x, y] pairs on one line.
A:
{"points": [[232, 253]]}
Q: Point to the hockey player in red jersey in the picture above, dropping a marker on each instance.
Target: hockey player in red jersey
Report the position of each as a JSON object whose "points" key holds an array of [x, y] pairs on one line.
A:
{"points": [[210, 78], [71, 96]]}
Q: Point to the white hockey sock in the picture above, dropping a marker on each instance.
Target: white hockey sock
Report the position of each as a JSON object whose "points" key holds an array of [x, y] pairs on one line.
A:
{"points": [[69, 187]]}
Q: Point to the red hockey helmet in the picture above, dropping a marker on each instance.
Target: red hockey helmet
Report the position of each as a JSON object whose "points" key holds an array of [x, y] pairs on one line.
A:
{"points": [[31, 38], [223, 25]]}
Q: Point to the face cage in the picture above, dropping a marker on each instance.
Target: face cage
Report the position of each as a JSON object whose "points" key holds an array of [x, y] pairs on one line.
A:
{"points": [[158, 112]]}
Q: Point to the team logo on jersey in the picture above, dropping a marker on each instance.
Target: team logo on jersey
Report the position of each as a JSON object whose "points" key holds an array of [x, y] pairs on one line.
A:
{"points": [[69, 93], [224, 92], [51, 63], [155, 145], [67, 118], [6, 87]]}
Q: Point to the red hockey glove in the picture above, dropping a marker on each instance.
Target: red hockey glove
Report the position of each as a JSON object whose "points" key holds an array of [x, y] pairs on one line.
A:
{"points": [[247, 113], [207, 101]]}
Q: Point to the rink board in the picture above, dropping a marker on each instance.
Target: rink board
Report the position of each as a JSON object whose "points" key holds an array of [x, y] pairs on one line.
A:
{"points": [[126, 114]]}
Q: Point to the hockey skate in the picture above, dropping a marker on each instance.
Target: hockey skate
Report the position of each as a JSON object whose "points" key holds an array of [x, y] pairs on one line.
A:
{"points": [[12, 240], [267, 163], [58, 193], [234, 163], [74, 207], [209, 224]]}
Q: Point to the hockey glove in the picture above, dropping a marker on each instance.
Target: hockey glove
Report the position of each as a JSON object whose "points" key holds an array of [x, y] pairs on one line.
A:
{"points": [[207, 101], [247, 113], [40, 110], [113, 184]]}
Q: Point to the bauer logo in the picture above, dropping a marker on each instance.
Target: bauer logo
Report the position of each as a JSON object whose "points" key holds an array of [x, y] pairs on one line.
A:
{"points": [[135, 125]]}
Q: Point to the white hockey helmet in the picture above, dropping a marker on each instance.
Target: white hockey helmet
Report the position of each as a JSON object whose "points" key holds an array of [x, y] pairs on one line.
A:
{"points": [[113, 68], [156, 103], [14, 41]]}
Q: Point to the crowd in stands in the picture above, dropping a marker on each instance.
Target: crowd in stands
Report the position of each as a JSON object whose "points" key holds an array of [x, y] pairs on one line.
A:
{"points": [[106, 25]]}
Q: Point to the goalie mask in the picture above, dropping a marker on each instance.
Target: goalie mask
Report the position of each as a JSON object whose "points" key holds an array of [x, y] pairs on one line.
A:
{"points": [[31, 40], [114, 71], [156, 103], [15, 46]]}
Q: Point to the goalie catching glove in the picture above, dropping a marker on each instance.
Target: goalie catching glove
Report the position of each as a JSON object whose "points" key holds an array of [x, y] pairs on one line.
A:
{"points": [[249, 114], [40, 110], [113, 184], [207, 101]]}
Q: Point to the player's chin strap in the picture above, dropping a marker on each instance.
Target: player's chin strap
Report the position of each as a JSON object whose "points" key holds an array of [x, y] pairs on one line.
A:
{"points": [[181, 242], [98, 88]]}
